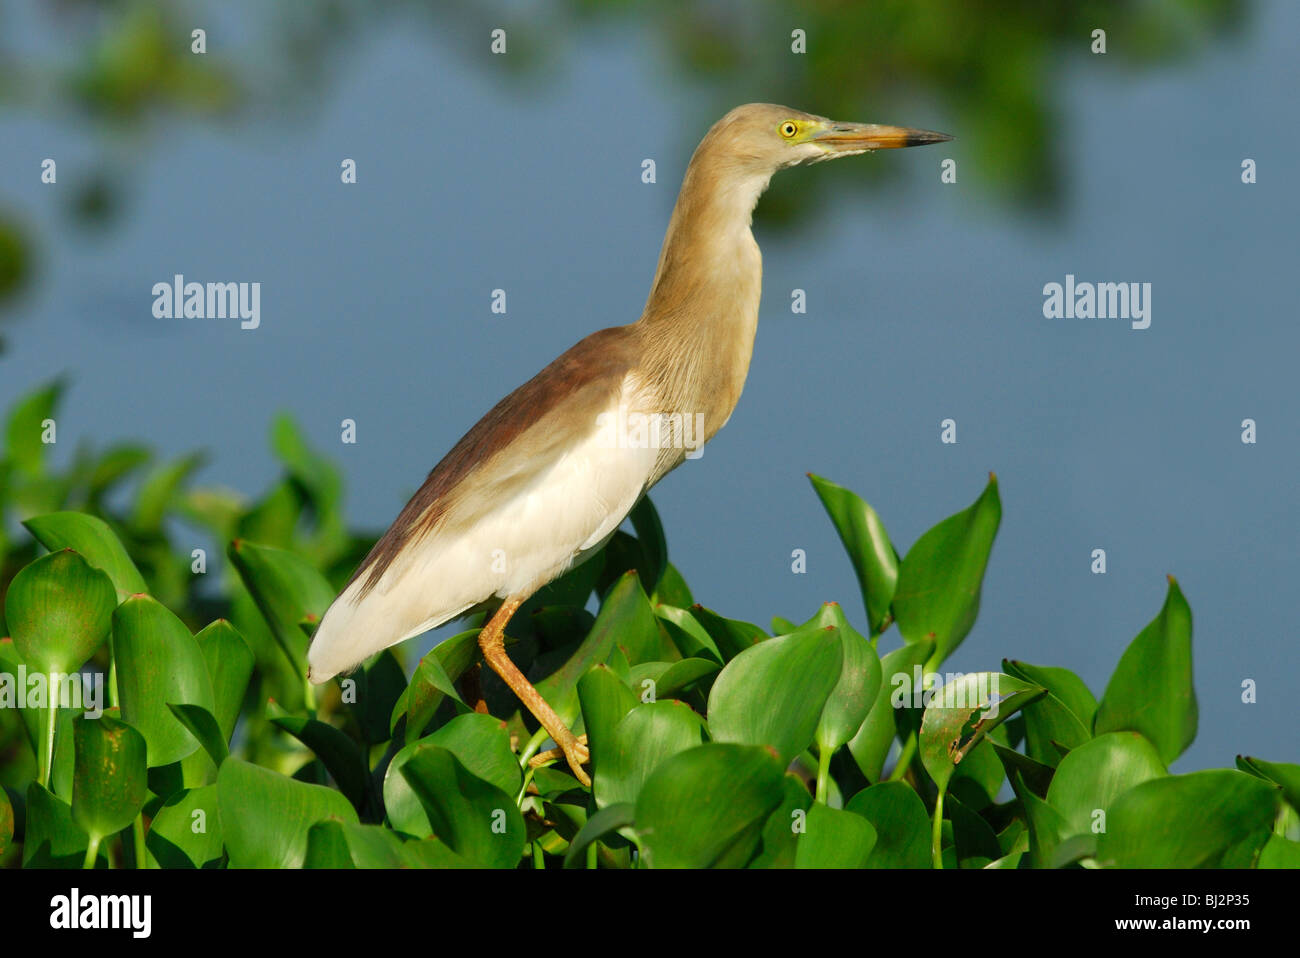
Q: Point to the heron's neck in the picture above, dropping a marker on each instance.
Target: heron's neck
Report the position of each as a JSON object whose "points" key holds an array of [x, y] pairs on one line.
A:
{"points": [[702, 313]]}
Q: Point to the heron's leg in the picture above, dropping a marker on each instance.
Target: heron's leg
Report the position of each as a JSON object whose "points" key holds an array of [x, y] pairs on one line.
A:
{"points": [[492, 641]]}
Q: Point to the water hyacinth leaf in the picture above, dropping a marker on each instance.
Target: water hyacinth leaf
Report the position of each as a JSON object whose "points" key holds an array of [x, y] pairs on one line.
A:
{"points": [[265, 816], [429, 686], [691, 638], [201, 723], [901, 823], [939, 580], [1279, 773], [665, 679], [109, 785], [870, 744], [477, 820], [158, 664], [1047, 827], [962, 712], [287, 590], [338, 753], [58, 610], [622, 619], [1151, 689], [780, 839], [731, 636], [977, 779], [186, 831], [1280, 852], [230, 668], [1186, 821], [114, 465], [53, 839], [859, 683], [380, 684], [605, 822], [25, 447], [867, 543], [834, 838], [774, 693], [1037, 776], [643, 739], [604, 699], [650, 533], [1095, 774], [91, 538], [327, 846], [672, 589], [6, 822], [1061, 684], [159, 491], [480, 743], [705, 807]]}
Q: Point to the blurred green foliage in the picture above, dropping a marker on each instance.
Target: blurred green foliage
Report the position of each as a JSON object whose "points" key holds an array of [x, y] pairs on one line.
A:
{"points": [[713, 743]]}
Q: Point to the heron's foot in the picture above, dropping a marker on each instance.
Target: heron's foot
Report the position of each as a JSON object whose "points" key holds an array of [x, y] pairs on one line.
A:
{"points": [[575, 752]]}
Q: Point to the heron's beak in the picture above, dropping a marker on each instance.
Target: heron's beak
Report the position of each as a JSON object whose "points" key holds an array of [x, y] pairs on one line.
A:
{"points": [[858, 137]]}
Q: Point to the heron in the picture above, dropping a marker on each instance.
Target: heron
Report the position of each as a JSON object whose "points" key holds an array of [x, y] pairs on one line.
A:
{"points": [[546, 477]]}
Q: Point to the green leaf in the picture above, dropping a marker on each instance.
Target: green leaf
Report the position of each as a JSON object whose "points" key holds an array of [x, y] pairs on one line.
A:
{"points": [[159, 491], [1051, 727], [938, 592], [92, 538], [1037, 776], [430, 684], [265, 817], [691, 638], [24, 447], [642, 740], [901, 823], [867, 543], [650, 533], [186, 831], [338, 753], [672, 589], [859, 684], [834, 839], [158, 664], [604, 699], [606, 821], [53, 838], [962, 712], [477, 820], [780, 841], [109, 785], [334, 844], [1186, 821], [6, 823], [1047, 827], [623, 619], [201, 723], [287, 590], [58, 610], [669, 678], [230, 667], [705, 807], [1279, 773], [870, 745], [1280, 852], [1098, 772], [479, 742], [731, 636], [774, 693], [1151, 689]]}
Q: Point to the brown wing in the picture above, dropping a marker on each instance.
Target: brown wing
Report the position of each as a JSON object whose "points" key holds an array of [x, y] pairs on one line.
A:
{"points": [[530, 425]]}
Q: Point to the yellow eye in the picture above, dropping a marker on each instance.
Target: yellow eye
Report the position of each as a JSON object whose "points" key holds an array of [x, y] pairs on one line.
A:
{"points": [[788, 129]]}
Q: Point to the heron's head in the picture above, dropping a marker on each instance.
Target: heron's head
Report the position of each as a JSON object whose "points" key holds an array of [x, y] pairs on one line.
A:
{"points": [[766, 137]]}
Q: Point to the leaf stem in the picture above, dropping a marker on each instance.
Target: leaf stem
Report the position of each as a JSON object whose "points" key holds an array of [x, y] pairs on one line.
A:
{"points": [[46, 762], [92, 850], [534, 743], [137, 838], [904, 758], [823, 774], [936, 837]]}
